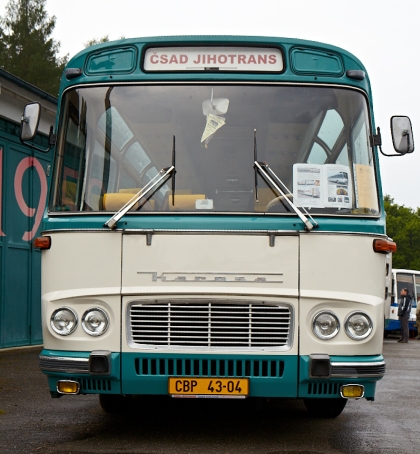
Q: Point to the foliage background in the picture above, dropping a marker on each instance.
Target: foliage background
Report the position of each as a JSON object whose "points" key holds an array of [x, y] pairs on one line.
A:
{"points": [[403, 226], [26, 47]]}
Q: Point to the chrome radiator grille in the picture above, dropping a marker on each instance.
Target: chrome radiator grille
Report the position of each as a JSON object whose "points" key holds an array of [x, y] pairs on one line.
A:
{"points": [[210, 324]]}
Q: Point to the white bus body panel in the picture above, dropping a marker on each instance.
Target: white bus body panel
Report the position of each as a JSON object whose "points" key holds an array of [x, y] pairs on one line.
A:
{"points": [[341, 273], [110, 269], [82, 270]]}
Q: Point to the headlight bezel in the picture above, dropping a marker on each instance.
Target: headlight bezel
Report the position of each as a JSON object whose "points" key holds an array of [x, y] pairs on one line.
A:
{"points": [[72, 329], [347, 329], [317, 333], [93, 332]]}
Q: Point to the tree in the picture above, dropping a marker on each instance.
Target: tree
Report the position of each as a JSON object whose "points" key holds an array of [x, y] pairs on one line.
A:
{"points": [[94, 41], [403, 226], [27, 49]]}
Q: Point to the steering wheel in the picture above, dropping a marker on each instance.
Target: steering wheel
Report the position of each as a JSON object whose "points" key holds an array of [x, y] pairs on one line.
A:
{"points": [[280, 201]]}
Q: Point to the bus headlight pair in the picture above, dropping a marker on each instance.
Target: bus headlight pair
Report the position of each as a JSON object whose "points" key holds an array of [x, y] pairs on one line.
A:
{"points": [[358, 325], [64, 321]]}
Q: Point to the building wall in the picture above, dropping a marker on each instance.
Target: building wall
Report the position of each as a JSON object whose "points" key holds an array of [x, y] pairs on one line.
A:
{"points": [[24, 175]]}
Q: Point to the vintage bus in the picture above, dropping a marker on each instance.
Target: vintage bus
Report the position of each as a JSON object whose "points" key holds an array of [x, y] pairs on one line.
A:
{"points": [[178, 256], [409, 279]]}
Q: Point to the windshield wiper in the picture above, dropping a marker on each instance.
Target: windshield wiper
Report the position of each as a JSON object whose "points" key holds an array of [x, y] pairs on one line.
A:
{"points": [[272, 179], [162, 175], [265, 171], [153, 184]]}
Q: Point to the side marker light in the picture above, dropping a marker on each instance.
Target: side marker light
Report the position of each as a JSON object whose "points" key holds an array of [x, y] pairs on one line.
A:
{"points": [[384, 246], [42, 242]]}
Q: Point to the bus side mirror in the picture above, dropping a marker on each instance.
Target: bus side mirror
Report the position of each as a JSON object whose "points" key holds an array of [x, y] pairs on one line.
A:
{"points": [[402, 134], [30, 121], [29, 126]]}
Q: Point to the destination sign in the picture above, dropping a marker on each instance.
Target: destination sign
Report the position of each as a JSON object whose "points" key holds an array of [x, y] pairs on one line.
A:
{"points": [[245, 59]]}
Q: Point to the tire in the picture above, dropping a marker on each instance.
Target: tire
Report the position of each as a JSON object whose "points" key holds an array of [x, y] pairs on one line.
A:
{"points": [[114, 403], [325, 408]]}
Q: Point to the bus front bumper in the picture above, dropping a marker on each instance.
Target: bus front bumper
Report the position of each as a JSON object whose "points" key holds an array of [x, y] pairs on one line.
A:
{"points": [[134, 373]]}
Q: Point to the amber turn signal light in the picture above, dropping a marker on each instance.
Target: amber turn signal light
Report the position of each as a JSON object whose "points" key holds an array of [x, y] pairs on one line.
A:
{"points": [[384, 246], [42, 242], [68, 387], [352, 391]]}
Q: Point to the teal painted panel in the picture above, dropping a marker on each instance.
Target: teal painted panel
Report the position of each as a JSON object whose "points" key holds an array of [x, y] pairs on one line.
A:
{"points": [[280, 380], [330, 388], [203, 222], [312, 61], [16, 312], [23, 193], [35, 298]]}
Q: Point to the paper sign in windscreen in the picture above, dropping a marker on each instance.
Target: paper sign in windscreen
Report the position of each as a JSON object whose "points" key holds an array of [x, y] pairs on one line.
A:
{"points": [[366, 188]]}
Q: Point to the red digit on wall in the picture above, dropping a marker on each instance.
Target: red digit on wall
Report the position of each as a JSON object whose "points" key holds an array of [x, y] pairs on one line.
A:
{"points": [[25, 164]]}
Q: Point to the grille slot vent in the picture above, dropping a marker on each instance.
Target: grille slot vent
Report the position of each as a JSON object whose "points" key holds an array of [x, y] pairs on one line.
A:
{"points": [[210, 324], [324, 389], [208, 367], [88, 384]]}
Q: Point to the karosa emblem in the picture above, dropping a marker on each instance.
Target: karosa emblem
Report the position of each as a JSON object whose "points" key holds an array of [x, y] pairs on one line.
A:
{"points": [[261, 278]]}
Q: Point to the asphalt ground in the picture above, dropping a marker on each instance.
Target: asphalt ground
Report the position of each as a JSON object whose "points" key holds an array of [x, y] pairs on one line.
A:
{"points": [[32, 422]]}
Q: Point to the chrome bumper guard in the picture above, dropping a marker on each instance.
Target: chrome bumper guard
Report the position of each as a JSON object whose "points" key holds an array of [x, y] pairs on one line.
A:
{"points": [[64, 364], [357, 370]]}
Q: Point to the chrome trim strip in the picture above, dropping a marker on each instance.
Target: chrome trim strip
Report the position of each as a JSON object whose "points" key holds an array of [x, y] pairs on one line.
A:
{"points": [[213, 213], [378, 365], [214, 232], [64, 364], [344, 364], [215, 82]]}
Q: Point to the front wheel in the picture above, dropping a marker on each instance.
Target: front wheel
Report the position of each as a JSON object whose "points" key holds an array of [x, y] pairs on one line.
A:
{"points": [[114, 403], [325, 408]]}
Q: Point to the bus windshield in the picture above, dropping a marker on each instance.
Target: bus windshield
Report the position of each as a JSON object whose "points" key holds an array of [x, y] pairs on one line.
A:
{"points": [[114, 140]]}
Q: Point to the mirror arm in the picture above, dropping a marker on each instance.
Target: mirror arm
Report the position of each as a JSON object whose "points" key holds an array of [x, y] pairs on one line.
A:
{"points": [[376, 140], [51, 140]]}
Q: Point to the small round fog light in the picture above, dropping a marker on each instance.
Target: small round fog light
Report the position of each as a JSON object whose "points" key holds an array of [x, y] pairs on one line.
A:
{"points": [[325, 325], [358, 325], [95, 321], [63, 321]]}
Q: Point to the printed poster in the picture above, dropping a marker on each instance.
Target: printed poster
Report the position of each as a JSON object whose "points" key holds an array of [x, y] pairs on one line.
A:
{"points": [[322, 186]]}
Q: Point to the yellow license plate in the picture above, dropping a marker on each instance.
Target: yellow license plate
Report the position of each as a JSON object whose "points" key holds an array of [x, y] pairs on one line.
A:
{"points": [[208, 386]]}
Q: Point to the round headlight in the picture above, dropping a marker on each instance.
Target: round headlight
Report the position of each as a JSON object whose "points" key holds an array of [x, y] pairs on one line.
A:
{"points": [[95, 321], [64, 321], [358, 325], [325, 325]]}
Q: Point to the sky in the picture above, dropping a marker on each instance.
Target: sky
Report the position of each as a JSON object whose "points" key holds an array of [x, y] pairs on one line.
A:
{"points": [[383, 34]]}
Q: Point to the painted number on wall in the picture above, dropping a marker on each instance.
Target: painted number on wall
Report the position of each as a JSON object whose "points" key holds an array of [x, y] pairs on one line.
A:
{"points": [[30, 212]]}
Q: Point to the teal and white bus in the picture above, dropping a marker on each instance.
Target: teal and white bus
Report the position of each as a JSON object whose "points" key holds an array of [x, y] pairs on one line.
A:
{"points": [[182, 256]]}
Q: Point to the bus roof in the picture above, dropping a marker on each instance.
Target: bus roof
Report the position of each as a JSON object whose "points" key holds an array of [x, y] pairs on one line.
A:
{"points": [[301, 61]]}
